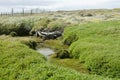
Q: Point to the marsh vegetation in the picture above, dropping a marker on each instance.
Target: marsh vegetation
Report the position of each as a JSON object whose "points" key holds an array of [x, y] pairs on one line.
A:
{"points": [[88, 49]]}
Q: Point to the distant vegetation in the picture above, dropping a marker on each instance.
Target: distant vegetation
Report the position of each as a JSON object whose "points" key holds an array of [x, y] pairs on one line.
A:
{"points": [[25, 25]]}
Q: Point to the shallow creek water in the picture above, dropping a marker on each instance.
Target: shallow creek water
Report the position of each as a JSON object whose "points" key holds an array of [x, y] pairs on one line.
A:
{"points": [[45, 51]]}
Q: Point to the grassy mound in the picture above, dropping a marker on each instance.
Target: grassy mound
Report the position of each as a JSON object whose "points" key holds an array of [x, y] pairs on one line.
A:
{"points": [[48, 25], [19, 62], [97, 45], [21, 26]]}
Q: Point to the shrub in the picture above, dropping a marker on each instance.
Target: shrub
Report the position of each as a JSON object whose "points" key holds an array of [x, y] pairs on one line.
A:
{"points": [[89, 14], [106, 65], [40, 25], [20, 25], [13, 34], [43, 22], [62, 54], [30, 43], [70, 35], [22, 28], [57, 25], [70, 39]]}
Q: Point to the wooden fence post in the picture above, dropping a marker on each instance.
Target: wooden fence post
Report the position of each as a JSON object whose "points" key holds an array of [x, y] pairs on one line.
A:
{"points": [[31, 12], [6, 13], [23, 12], [1, 14], [12, 12]]}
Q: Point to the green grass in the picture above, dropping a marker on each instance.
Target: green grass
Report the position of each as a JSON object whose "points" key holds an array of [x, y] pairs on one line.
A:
{"points": [[55, 44], [19, 62], [97, 46], [69, 63], [30, 41], [26, 26]]}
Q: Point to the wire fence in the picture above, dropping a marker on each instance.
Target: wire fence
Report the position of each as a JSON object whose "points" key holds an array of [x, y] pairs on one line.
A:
{"points": [[23, 12]]}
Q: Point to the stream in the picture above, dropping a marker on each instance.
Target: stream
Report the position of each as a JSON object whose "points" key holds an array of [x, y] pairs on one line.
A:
{"points": [[45, 51]]}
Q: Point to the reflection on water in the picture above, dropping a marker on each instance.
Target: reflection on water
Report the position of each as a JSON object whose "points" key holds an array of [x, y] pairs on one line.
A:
{"points": [[45, 51]]}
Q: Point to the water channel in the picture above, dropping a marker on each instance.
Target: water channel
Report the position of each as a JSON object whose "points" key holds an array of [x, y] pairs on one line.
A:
{"points": [[46, 52]]}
